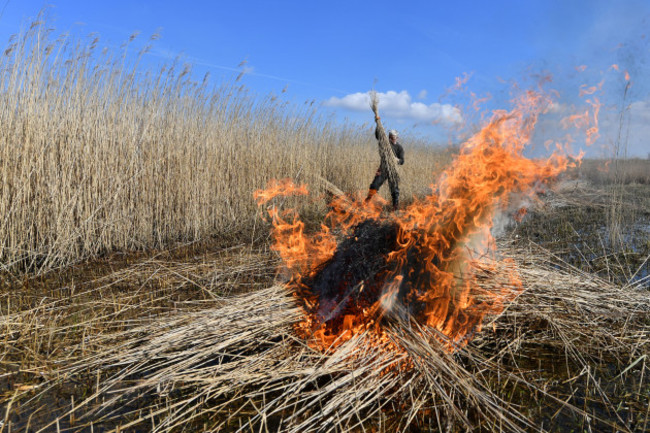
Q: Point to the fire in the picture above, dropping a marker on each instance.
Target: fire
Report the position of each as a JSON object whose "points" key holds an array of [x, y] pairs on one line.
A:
{"points": [[521, 213], [477, 102], [590, 90], [461, 81], [422, 264], [301, 253]]}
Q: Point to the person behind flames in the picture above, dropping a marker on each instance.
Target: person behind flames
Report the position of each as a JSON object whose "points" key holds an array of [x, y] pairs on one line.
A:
{"points": [[382, 171]]}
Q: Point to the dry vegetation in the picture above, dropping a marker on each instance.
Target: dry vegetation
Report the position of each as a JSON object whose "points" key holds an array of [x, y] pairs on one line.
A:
{"points": [[156, 345], [604, 172], [97, 156], [178, 322]]}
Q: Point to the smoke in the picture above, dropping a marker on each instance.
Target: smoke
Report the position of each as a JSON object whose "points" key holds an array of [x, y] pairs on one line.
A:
{"points": [[599, 44]]}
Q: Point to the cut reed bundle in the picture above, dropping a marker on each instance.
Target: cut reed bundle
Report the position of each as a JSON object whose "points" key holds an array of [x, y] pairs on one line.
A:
{"points": [[385, 150]]}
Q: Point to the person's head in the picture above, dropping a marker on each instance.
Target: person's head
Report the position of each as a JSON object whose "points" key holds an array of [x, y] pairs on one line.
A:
{"points": [[392, 136]]}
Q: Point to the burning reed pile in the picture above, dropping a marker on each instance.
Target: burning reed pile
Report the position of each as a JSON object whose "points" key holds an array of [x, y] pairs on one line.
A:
{"points": [[414, 264]]}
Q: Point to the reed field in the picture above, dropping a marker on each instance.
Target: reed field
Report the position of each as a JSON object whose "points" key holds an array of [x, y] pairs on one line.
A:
{"points": [[98, 156], [614, 171], [139, 291]]}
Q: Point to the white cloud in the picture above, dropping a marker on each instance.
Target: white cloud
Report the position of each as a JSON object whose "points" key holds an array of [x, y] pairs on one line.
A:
{"points": [[422, 94], [400, 105]]}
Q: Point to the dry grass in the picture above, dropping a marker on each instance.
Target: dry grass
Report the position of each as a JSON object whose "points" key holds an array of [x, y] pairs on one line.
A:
{"points": [[51, 321], [601, 230], [98, 156], [623, 171], [571, 350]]}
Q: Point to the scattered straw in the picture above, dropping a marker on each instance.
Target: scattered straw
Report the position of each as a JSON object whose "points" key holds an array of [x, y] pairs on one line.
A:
{"points": [[239, 366]]}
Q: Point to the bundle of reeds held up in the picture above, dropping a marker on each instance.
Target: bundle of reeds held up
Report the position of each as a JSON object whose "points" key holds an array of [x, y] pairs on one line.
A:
{"points": [[386, 154]]}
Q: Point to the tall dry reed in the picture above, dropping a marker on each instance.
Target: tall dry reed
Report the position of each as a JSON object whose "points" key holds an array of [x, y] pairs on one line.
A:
{"points": [[98, 154]]}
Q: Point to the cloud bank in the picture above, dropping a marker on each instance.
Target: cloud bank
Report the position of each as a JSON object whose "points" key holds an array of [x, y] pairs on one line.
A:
{"points": [[400, 105]]}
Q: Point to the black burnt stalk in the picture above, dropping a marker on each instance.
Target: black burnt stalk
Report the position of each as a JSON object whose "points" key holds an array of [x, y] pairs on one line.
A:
{"points": [[353, 278]]}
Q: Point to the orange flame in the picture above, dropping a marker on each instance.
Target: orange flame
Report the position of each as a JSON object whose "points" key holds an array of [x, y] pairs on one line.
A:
{"points": [[442, 239], [584, 90], [592, 132], [521, 213], [275, 188], [586, 121], [478, 102], [300, 252], [461, 81]]}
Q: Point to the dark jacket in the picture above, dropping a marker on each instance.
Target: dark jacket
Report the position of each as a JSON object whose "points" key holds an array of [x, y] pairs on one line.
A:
{"points": [[398, 151]]}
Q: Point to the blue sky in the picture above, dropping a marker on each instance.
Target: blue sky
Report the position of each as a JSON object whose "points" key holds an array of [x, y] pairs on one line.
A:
{"points": [[411, 52]]}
